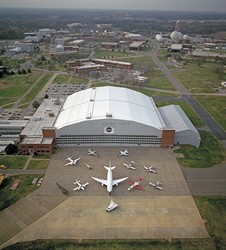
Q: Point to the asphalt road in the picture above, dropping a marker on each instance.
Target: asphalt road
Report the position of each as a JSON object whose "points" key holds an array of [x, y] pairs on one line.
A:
{"points": [[206, 181], [217, 130]]}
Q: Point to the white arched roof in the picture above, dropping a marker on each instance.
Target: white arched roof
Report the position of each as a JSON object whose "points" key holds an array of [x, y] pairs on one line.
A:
{"points": [[109, 103]]}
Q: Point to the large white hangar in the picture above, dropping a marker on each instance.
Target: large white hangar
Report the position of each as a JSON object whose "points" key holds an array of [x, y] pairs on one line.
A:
{"points": [[106, 116], [114, 116]]}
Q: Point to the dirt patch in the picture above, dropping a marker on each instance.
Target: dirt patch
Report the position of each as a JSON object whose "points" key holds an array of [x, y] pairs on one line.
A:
{"points": [[5, 85], [179, 155]]}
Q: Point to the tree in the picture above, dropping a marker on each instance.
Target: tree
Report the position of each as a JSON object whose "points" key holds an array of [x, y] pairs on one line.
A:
{"points": [[29, 70], [11, 149], [19, 72], [35, 104], [24, 71]]}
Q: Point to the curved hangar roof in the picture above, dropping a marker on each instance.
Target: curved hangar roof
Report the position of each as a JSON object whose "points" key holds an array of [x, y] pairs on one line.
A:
{"points": [[106, 103]]}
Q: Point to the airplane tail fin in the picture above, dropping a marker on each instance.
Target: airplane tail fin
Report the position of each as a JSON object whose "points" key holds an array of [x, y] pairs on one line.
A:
{"points": [[110, 167]]}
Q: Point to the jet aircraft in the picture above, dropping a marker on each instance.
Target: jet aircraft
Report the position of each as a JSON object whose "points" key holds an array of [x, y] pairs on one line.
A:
{"points": [[150, 169], [156, 185], [135, 184], [72, 162], [92, 152], [110, 182], [88, 166], [111, 206], [123, 153], [64, 190], [80, 186], [129, 166]]}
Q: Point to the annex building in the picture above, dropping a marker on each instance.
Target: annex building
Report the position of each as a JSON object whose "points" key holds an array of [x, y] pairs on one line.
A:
{"points": [[112, 116]]}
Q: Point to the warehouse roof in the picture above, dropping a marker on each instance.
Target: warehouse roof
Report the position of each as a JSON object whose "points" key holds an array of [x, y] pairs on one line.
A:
{"points": [[109, 103], [174, 117]]}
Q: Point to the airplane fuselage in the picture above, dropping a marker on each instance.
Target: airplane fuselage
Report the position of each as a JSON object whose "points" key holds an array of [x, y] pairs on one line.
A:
{"points": [[109, 181]]}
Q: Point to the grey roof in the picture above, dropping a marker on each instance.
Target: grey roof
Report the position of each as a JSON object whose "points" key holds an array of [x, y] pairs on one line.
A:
{"points": [[174, 117]]}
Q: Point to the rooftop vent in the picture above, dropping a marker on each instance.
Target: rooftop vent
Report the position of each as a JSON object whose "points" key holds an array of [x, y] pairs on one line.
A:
{"points": [[108, 115]]}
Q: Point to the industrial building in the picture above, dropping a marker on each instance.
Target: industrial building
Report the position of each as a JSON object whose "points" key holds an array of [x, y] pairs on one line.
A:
{"points": [[107, 116]]}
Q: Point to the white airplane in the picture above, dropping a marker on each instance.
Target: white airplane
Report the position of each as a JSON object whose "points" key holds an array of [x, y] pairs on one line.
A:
{"points": [[72, 162], [111, 206], [150, 169], [109, 182], [129, 166], [156, 185], [123, 153], [80, 186], [135, 184], [88, 166], [92, 152]]}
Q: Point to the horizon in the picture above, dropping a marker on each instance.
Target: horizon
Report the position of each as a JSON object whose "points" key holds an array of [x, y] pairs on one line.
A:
{"points": [[117, 5]]}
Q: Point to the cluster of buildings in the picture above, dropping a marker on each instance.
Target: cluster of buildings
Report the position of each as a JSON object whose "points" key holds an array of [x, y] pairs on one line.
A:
{"points": [[109, 116]]}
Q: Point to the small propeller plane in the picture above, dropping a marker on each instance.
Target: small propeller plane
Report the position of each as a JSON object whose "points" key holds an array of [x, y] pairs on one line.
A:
{"points": [[111, 206], [72, 162], [92, 152], [150, 169], [135, 184], [109, 182], [129, 166], [80, 186], [64, 190], [156, 185], [88, 166], [123, 153]]}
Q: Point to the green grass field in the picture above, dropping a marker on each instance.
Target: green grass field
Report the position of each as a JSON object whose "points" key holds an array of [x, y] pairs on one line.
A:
{"points": [[38, 164], [16, 85], [8, 197], [13, 161], [36, 89], [156, 78], [111, 54], [210, 153], [199, 79], [216, 106], [64, 79]]}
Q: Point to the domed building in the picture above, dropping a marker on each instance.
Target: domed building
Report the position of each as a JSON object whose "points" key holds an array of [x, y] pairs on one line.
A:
{"points": [[59, 48], [176, 35], [159, 38]]}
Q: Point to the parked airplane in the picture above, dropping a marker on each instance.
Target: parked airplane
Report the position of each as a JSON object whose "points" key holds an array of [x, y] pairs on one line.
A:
{"points": [[92, 152], [64, 190], [156, 185], [80, 186], [129, 166], [72, 162], [88, 166], [135, 184], [109, 182], [123, 153], [150, 169], [111, 206]]}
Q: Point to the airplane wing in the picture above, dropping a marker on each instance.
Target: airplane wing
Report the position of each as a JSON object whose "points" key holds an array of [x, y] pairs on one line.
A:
{"points": [[138, 187], [103, 182], [117, 181], [69, 163]]}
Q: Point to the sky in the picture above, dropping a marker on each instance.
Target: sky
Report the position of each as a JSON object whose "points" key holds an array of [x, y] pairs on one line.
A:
{"points": [[177, 5]]}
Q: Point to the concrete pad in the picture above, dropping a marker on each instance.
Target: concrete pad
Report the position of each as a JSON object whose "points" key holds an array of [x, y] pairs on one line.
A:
{"points": [[147, 213], [136, 217]]}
